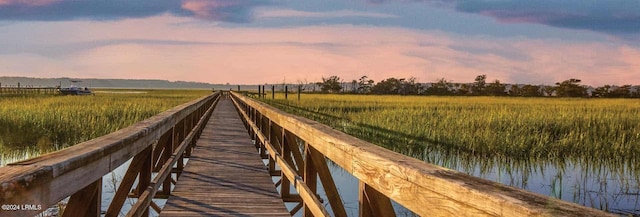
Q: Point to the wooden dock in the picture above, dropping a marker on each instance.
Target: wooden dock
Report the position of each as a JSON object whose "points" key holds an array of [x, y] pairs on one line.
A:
{"points": [[225, 175]]}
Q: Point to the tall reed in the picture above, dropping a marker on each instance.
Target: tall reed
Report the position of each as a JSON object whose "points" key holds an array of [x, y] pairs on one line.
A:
{"points": [[32, 124]]}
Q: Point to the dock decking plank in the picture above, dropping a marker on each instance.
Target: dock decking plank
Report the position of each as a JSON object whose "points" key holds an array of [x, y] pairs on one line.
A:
{"points": [[225, 175]]}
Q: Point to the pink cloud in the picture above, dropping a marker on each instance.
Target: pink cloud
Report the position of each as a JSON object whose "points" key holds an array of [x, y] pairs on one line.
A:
{"points": [[141, 48], [223, 10], [203, 8]]}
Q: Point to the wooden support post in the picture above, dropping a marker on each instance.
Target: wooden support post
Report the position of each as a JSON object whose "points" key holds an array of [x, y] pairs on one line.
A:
{"points": [[86, 202], [374, 203], [181, 136], [126, 183], [144, 178], [272, 162], [296, 209], [310, 176], [273, 92], [292, 142], [327, 181], [168, 146], [263, 149], [286, 92], [254, 135], [286, 155], [159, 151]]}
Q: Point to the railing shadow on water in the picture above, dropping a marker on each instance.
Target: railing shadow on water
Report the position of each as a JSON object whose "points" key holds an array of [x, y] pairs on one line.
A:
{"points": [[152, 152], [383, 173]]}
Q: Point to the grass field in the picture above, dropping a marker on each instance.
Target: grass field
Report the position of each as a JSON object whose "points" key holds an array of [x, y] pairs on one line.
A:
{"points": [[42, 123], [504, 127]]}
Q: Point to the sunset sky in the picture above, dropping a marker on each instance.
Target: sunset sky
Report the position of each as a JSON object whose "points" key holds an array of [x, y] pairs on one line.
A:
{"points": [[263, 41]]}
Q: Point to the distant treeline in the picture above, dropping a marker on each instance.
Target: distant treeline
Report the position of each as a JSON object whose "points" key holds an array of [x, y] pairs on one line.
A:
{"points": [[480, 87]]}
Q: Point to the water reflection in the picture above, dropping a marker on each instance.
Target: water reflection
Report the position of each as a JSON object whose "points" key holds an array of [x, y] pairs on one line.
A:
{"points": [[610, 185]]}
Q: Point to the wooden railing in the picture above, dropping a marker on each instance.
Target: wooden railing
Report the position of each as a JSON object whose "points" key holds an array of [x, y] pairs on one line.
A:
{"points": [[300, 149], [17, 90], [157, 145]]}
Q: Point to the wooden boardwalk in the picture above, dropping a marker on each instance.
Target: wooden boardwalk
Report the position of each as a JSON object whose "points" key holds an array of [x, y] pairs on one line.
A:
{"points": [[225, 175]]}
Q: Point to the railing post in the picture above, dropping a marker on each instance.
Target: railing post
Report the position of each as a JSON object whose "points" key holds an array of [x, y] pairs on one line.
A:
{"points": [[166, 154], [182, 133], [286, 92], [144, 178], [286, 155], [328, 183], [373, 203], [272, 162], [86, 202], [273, 92], [263, 149], [127, 182], [310, 175]]}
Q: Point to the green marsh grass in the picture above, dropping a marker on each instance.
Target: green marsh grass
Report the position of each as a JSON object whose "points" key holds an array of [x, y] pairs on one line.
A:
{"points": [[585, 151], [503, 127], [35, 124]]}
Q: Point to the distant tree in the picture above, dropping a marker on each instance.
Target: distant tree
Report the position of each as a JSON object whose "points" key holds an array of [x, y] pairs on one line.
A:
{"points": [[440, 87], [601, 91], [387, 86], [609, 91], [636, 93], [531, 91], [464, 89], [365, 84], [495, 89], [354, 86], [409, 86], [622, 91], [548, 90], [303, 85], [571, 88], [330, 85], [515, 90], [479, 85]]}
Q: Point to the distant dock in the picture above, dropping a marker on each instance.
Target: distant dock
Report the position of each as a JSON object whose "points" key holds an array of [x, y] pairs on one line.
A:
{"points": [[26, 89]]}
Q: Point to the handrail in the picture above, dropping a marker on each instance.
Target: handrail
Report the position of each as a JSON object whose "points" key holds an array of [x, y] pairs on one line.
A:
{"points": [[77, 171], [425, 189]]}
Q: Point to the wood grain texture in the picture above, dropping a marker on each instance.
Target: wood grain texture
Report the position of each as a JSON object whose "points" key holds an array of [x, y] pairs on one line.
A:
{"points": [[426, 189], [225, 175]]}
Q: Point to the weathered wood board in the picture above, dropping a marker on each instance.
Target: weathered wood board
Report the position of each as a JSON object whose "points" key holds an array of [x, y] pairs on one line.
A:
{"points": [[225, 175]]}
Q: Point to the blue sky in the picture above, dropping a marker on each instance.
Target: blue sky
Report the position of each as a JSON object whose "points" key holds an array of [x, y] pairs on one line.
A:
{"points": [[261, 41]]}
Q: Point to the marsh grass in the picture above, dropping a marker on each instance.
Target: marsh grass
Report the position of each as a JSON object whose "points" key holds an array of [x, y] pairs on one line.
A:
{"points": [[35, 124], [514, 128]]}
